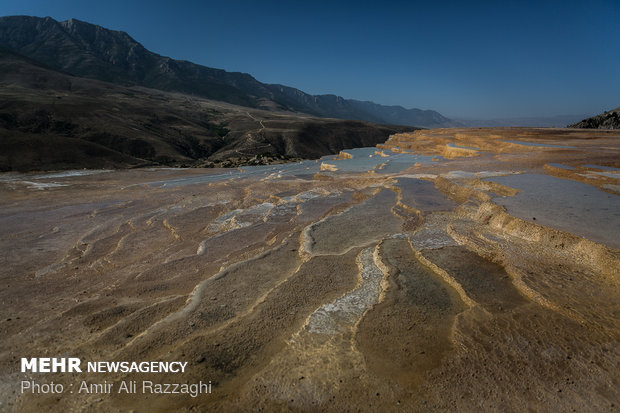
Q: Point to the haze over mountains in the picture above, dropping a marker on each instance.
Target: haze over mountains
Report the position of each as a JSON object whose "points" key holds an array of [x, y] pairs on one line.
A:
{"points": [[91, 51], [559, 121]]}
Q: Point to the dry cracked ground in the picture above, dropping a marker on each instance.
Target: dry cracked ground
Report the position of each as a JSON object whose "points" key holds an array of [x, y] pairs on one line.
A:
{"points": [[448, 270]]}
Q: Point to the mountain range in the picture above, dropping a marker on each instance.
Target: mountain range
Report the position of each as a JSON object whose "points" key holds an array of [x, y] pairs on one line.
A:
{"points": [[87, 50], [51, 120]]}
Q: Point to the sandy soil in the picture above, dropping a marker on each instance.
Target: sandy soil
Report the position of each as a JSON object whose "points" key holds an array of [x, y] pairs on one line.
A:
{"points": [[449, 286]]}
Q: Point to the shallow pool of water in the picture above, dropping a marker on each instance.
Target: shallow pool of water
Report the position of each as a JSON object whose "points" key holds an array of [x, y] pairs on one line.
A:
{"points": [[366, 159], [604, 168], [560, 166], [564, 204], [363, 160], [451, 145], [422, 195]]}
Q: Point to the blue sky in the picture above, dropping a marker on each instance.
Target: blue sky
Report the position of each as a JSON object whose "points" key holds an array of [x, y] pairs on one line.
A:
{"points": [[466, 59]]}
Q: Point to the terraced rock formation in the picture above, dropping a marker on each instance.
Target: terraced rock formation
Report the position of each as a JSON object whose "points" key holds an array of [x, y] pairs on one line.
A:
{"points": [[379, 285]]}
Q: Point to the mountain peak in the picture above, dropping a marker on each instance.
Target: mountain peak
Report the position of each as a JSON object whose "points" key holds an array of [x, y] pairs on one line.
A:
{"points": [[88, 50], [80, 28], [73, 23]]}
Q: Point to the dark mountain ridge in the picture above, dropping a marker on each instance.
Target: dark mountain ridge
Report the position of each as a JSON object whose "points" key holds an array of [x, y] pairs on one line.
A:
{"points": [[51, 120], [606, 120], [91, 51]]}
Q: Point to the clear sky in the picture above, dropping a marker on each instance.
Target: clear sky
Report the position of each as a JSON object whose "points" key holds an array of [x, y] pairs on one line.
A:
{"points": [[466, 59]]}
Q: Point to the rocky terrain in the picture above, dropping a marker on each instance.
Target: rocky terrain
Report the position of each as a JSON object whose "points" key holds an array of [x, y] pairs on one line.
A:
{"points": [[50, 121], [607, 120], [87, 50], [446, 270]]}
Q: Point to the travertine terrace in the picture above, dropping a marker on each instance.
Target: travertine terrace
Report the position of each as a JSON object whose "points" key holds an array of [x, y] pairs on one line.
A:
{"points": [[446, 270]]}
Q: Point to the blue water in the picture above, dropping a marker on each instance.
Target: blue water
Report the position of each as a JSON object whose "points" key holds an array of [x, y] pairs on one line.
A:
{"points": [[604, 168], [462, 147], [559, 165], [364, 160], [564, 204]]}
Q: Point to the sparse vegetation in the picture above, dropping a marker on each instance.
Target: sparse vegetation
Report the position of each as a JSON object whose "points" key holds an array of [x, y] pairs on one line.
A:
{"points": [[219, 129]]}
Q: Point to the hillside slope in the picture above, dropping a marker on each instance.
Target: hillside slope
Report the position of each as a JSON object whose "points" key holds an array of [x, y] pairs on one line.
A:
{"points": [[607, 120], [91, 51], [51, 120]]}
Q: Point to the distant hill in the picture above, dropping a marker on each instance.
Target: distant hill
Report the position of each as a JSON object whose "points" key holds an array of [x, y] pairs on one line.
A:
{"points": [[91, 51], [51, 120], [539, 122], [607, 120]]}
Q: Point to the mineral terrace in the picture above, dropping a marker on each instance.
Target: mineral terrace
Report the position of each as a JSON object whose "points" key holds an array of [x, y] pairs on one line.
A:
{"points": [[445, 270]]}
